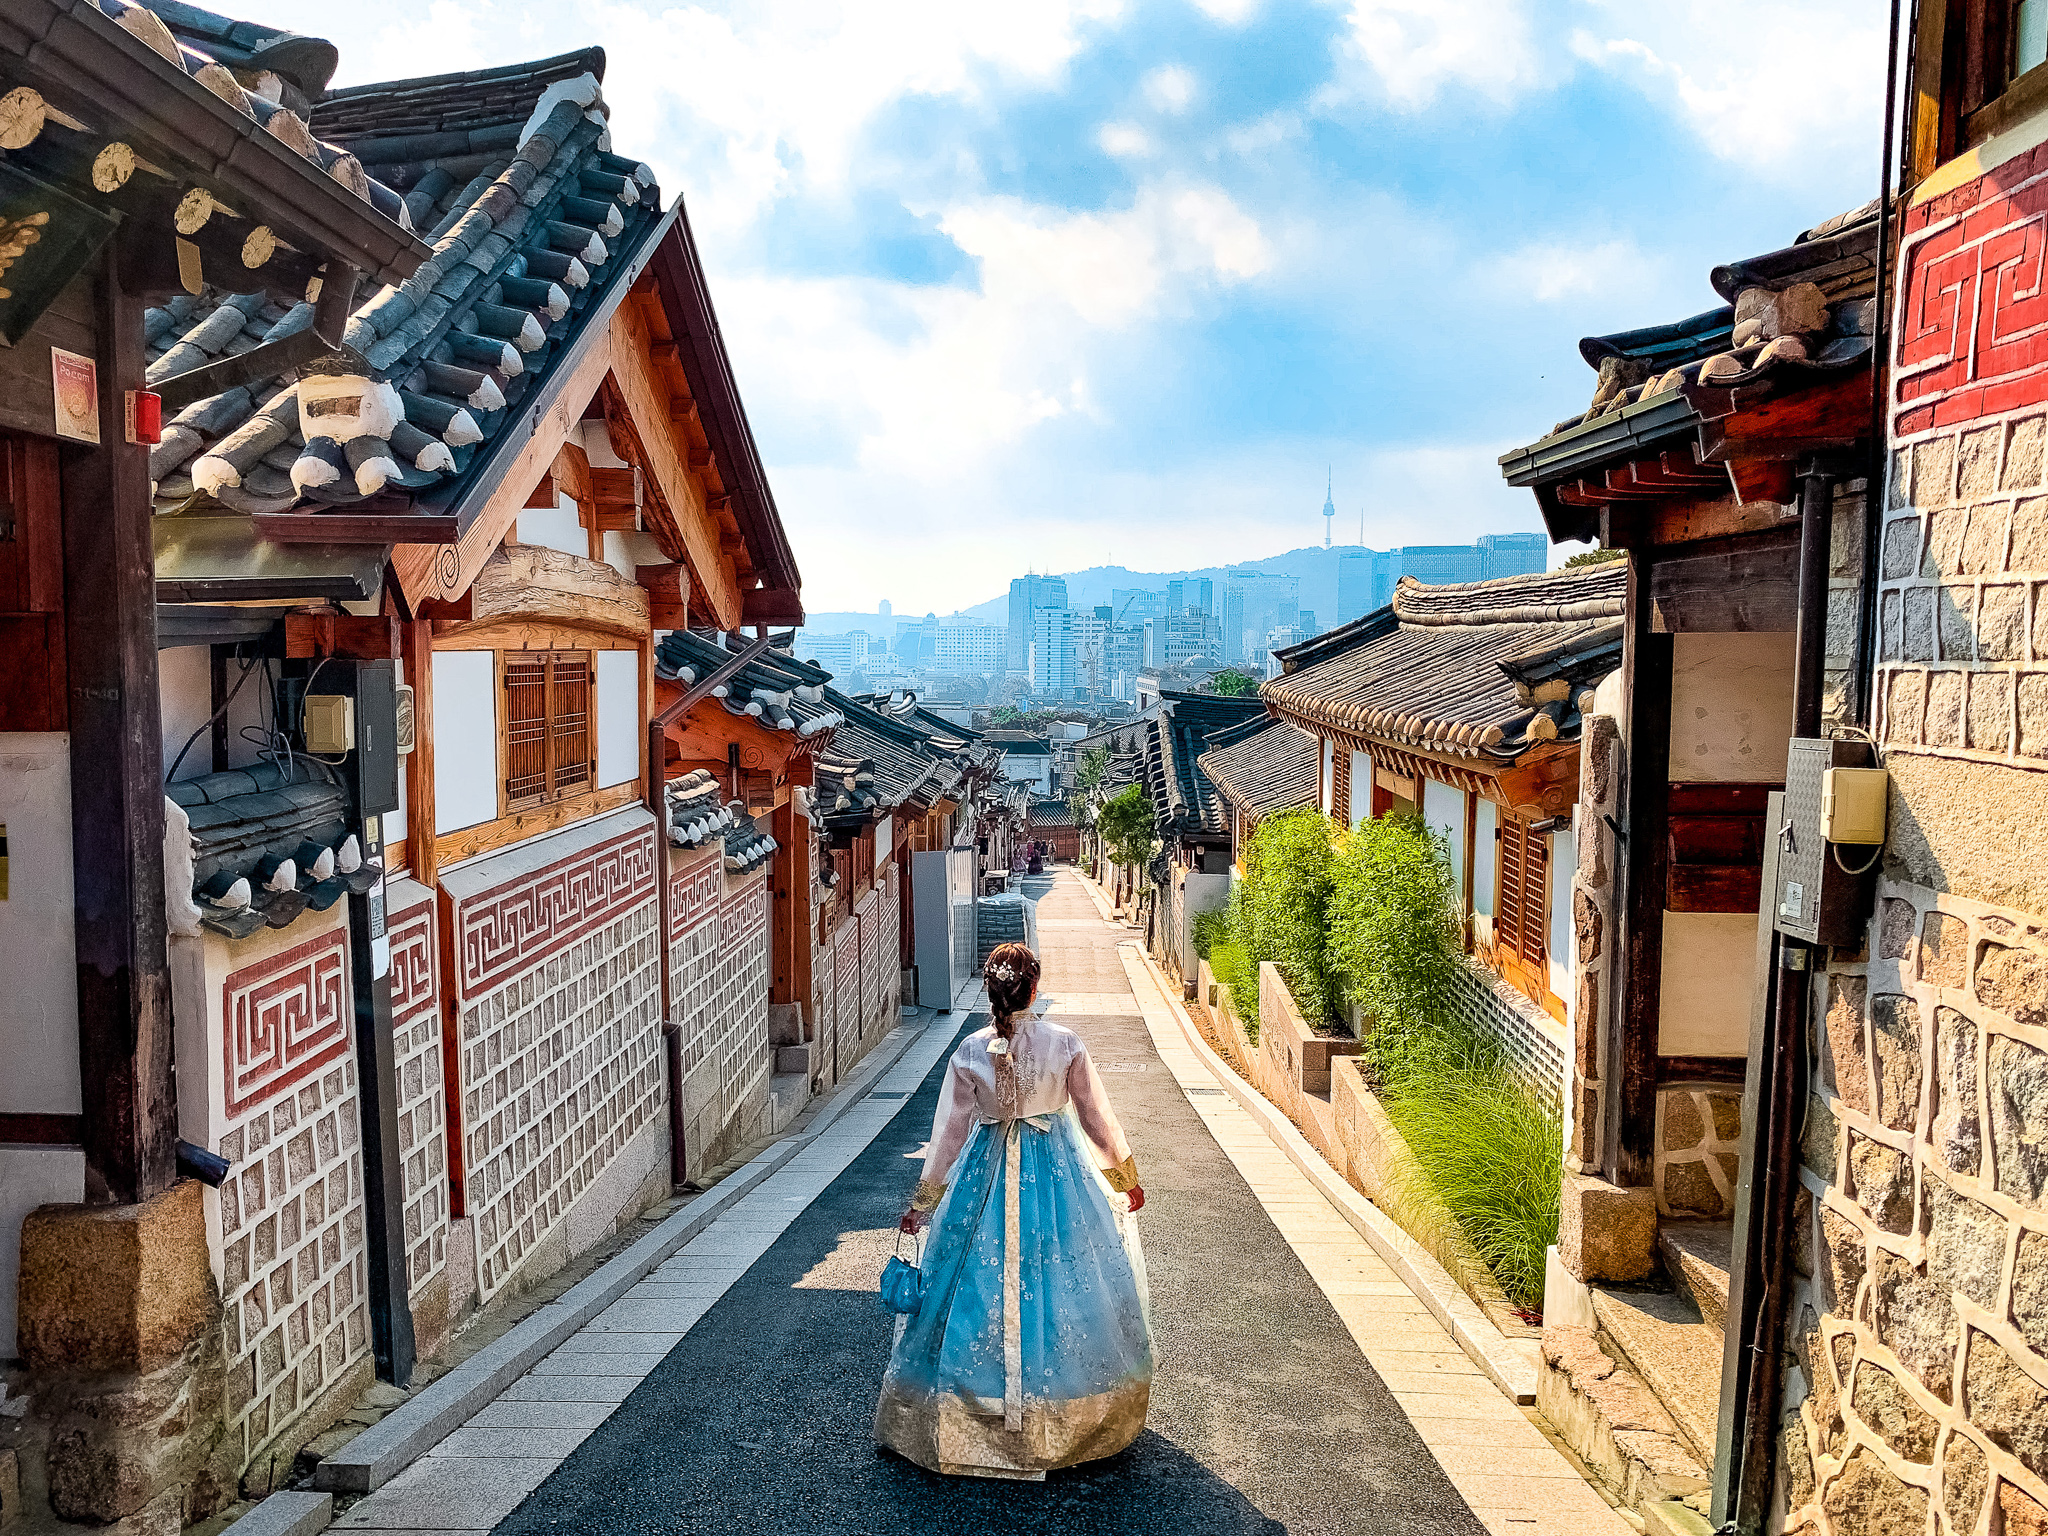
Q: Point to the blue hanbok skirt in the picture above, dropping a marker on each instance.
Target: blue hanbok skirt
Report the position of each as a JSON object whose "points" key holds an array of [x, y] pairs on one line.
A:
{"points": [[1032, 1349]]}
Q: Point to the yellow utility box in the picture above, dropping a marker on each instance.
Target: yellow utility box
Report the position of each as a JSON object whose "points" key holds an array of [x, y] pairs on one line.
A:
{"points": [[330, 723], [1852, 805]]}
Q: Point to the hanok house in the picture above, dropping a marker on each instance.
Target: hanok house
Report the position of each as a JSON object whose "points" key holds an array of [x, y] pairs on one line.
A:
{"points": [[1261, 775], [906, 783], [1725, 455], [415, 997], [1191, 872], [1051, 824], [1463, 705]]}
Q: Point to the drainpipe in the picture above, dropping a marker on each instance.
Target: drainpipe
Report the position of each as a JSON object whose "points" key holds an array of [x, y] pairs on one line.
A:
{"points": [[1774, 1148], [1874, 493]]}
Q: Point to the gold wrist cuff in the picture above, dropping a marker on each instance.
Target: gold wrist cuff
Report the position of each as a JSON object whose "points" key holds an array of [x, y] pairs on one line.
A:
{"points": [[929, 1193], [1123, 1178]]}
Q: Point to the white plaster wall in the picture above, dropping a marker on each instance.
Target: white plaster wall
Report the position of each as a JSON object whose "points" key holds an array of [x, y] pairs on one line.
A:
{"points": [[1485, 853], [1709, 968], [627, 552], [1326, 777], [29, 1177], [1731, 708], [1562, 956], [885, 840], [38, 960], [1361, 787], [555, 527], [618, 717], [465, 727], [185, 699], [1443, 810]]}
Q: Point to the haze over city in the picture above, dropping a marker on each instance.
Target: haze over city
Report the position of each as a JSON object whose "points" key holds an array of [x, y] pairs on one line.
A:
{"points": [[1065, 283]]}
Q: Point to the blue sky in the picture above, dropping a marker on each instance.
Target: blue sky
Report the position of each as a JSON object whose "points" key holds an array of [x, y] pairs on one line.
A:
{"points": [[1066, 282]]}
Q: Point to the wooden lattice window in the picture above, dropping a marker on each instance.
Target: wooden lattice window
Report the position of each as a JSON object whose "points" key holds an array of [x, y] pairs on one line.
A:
{"points": [[1340, 790], [547, 726], [1521, 915]]}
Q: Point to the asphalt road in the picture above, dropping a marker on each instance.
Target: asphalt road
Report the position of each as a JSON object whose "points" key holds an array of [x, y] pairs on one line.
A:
{"points": [[1265, 1418]]}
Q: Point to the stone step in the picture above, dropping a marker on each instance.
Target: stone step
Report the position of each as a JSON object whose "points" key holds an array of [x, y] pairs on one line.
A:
{"points": [[1614, 1422], [1696, 1256], [1660, 1337]]}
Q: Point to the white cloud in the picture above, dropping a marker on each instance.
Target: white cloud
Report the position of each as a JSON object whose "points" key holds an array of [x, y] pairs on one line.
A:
{"points": [[922, 383], [1416, 49], [1232, 13], [1169, 88], [1784, 91], [1126, 141], [1613, 270]]}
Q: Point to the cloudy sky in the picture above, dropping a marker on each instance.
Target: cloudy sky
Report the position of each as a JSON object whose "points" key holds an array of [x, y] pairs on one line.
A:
{"points": [[1055, 283]]}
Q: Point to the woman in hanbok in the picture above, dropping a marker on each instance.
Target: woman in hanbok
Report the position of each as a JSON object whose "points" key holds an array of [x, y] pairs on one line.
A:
{"points": [[1032, 1347]]}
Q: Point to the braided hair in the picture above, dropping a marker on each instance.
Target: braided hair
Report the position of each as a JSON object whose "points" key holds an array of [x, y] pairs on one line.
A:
{"points": [[1012, 977]]}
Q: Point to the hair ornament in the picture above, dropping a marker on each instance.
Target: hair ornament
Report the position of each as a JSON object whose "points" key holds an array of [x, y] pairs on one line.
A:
{"points": [[998, 1046], [1003, 972]]}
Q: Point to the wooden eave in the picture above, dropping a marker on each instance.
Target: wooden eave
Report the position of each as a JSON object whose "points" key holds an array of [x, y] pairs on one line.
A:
{"points": [[92, 69], [1540, 781], [721, 420]]}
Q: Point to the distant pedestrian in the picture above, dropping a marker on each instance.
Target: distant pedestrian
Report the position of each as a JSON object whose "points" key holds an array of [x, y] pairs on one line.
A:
{"points": [[1032, 1348], [1037, 857]]}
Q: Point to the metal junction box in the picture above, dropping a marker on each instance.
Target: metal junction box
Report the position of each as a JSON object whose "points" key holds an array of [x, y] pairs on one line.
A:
{"points": [[1817, 898]]}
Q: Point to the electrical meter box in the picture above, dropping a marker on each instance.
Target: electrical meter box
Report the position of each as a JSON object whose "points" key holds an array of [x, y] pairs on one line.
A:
{"points": [[1825, 889], [330, 724]]}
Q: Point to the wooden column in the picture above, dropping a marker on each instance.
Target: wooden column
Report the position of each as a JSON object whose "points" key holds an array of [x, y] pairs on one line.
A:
{"points": [[419, 763], [117, 798], [1631, 1120]]}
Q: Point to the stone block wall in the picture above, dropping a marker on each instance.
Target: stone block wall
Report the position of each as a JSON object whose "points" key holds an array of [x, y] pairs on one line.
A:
{"points": [[413, 928], [718, 956], [559, 1047], [1699, 1151], [1920, 1322], [267, 1073], [1600, 766]]}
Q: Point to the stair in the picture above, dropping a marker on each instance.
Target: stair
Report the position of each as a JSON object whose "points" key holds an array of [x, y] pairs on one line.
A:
{"points": [[1696, 1256], [1660, 1337], [1615, 1423]]}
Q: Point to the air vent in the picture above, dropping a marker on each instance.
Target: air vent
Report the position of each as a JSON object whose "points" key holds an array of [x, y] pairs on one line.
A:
{"points": [[405, 719]]}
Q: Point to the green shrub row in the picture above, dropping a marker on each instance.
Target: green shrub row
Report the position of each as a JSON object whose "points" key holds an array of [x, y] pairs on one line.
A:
{"points": [[1369, 917]]}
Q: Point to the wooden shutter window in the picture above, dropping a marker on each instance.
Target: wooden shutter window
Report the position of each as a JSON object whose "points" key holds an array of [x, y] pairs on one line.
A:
{"points": [[1340, 773], [569, 724], [1520, 915], [526, 730], [547, 727]]}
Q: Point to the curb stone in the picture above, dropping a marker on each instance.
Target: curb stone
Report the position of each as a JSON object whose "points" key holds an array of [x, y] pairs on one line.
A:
{"points": [[408, 1432], [1510, 1364]]}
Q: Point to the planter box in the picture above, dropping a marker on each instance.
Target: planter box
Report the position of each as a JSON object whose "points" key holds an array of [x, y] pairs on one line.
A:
{"points": [[1292, 1065], [1372, 1151]]}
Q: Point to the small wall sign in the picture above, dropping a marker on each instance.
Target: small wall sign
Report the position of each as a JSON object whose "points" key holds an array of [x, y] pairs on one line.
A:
{"points": [[77, 381]]}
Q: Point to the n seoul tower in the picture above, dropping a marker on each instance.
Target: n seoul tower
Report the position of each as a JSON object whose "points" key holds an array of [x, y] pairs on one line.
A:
{"points": [[1329, 508]]}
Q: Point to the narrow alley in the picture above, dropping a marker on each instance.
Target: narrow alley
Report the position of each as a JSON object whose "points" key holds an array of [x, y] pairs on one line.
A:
{"points": [[1300, 1387]]}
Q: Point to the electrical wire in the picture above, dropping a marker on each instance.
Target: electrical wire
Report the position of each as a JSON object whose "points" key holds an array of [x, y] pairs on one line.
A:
{"points": [[178, 761]]}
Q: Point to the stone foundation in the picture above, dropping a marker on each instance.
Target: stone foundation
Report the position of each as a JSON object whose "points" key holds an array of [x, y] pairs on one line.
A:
{"points": [[1606, 1232]]}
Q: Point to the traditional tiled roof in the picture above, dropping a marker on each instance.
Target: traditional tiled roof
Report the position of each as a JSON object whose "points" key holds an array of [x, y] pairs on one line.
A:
{"points": [[747, 845], [533, 222], [1439, 676], [1269, 771], [1185, 802], [698, 811], [775, 689], [267, 842], [1794, 319], [1050, 813]]}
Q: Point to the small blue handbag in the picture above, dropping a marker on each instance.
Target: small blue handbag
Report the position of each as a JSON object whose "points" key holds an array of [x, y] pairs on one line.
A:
{"points": [[903, 1284]]}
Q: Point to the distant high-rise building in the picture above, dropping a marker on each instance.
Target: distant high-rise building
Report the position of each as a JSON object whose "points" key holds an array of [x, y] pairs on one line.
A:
{"points": [[967, 648], [1029, 594], [1196, 593], [1354, 585], [1513, 554], [1052, 655], [1254, 603]]}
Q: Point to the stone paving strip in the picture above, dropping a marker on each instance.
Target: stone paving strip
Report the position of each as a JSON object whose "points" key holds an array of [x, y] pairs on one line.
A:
{"points": [[482, 1471], [1515, 1480]]}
